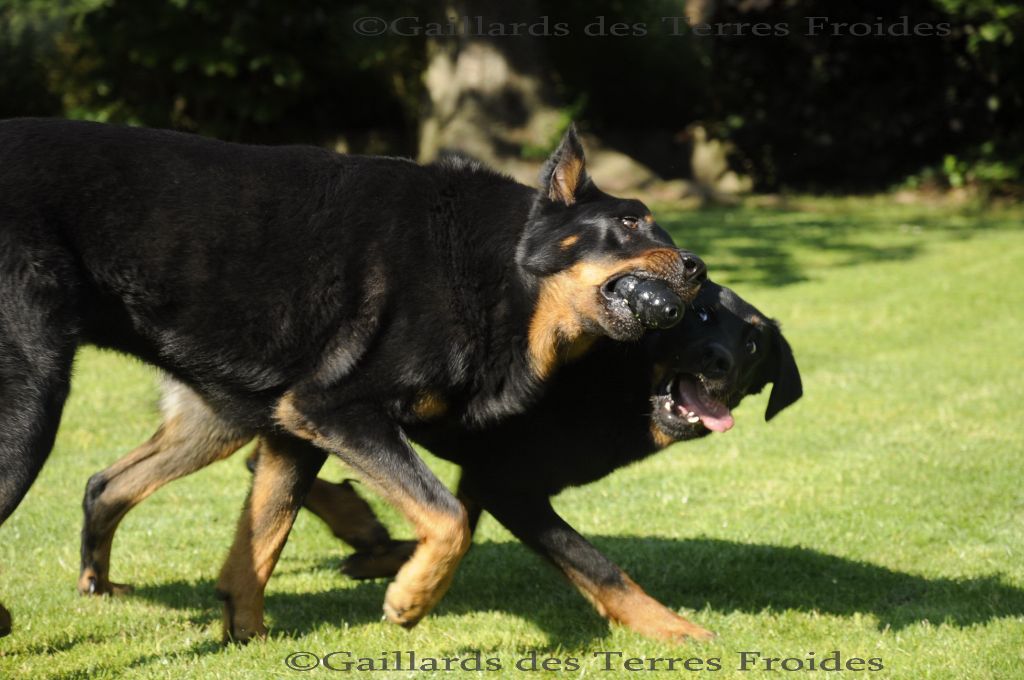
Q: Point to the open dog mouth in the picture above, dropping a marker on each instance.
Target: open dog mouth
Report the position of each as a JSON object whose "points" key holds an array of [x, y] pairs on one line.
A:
{"points": [[686, 398]]}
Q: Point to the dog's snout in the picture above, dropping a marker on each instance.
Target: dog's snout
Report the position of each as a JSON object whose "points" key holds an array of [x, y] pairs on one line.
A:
{"points": [[694, 269], [716, 362]]}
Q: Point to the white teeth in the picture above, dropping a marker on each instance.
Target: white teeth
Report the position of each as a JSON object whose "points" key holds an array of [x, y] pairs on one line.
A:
{"points": [[688, 416]]}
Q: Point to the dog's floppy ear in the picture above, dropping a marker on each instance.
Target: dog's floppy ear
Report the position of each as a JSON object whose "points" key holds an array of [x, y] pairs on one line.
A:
{"points": [[786, 385], [564, 175]]}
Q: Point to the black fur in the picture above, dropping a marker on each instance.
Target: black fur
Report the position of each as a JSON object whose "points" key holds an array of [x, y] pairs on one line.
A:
{"points": [[600, 413], [296, 288], [598, 416]]}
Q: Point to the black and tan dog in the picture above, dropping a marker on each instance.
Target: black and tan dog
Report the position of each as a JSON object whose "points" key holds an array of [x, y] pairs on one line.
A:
{"points": [[321, 301], [618, 404]]}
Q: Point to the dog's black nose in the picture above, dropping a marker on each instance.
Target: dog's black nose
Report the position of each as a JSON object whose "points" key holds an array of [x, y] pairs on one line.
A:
{"points": [[694, 269], [715, 362]]}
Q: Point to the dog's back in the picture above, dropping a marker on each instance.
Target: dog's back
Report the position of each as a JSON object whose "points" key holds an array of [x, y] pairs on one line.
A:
{"points": [[178, 249]]}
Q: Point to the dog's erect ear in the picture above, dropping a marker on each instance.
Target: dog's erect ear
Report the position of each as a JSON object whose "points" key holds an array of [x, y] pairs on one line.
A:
{"points": [[564, 175], [786, 385]]}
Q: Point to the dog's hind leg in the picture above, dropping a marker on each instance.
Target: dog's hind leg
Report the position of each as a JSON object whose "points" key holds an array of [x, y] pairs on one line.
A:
{"points": [[38, 337], [284, 472], [191, 437]]}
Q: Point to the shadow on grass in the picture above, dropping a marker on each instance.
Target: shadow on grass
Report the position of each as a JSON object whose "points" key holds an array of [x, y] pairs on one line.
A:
{"points": [[722, 575], [62, 644], [89, 672], [760, 246]]}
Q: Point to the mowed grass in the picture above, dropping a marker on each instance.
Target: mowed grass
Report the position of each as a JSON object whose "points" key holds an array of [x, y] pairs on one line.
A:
{"points": [[881, 516]]}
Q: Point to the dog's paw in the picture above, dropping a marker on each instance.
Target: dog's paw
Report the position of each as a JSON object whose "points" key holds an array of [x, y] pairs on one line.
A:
{"points": [[90, 583], [242, 635], [424, 579], [405, 607], [693, 632], [381, 562], [241, 620], [671, 627]]}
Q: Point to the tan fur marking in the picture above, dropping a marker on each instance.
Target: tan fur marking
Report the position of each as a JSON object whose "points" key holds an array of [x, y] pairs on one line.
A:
{"points": [[649, 218], [661, 439], [292, 420], [350, 518], [261, 534], [571, 297], [566, 180], [191, 437], [630, 606], [424, 579], [569, 241], [429, 405], [565, 300], [637, 610]]}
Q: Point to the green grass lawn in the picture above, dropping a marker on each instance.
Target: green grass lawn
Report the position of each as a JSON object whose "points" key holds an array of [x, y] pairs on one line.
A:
{"points": [[881, 516]]}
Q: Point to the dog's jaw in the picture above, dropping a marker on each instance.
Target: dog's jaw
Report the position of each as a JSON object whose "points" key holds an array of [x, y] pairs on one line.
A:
{"points": [[684, 408]]}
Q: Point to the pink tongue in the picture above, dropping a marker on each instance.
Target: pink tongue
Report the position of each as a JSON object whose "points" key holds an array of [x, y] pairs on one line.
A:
{"points": [[713, 414]]}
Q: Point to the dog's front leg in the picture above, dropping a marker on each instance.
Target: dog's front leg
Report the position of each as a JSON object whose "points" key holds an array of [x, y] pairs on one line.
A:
{"points": [[615, 596], [286, 469], [384, 558], [373, 445]]}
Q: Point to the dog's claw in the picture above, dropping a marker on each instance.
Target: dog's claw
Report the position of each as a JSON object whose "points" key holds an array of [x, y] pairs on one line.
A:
{"points": [[244, 637], [397, 616], [701, 635], [93, 585]]}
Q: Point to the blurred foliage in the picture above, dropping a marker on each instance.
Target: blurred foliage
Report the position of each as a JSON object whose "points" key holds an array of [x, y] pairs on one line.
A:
{"points": [[566, 116], [980, 170], [820, 112], [24, 48], [271, 70]]}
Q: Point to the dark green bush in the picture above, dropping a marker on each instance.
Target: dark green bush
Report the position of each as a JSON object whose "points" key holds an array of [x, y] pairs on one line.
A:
{"points": [[821, 112]]}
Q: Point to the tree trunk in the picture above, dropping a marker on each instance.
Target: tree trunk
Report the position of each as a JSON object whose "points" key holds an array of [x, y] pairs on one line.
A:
{"points": [[488, 96]]}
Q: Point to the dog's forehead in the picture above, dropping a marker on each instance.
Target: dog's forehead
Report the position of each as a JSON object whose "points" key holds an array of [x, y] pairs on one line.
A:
{"points": [[732, 302], [612, 206]]}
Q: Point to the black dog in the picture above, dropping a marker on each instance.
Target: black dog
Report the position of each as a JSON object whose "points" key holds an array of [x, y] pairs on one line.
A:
{"points": [[601, 414], [616, 405], [324, 302]]}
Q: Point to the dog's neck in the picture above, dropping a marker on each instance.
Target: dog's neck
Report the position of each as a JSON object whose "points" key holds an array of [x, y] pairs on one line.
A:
{"points": [[476, 234]]}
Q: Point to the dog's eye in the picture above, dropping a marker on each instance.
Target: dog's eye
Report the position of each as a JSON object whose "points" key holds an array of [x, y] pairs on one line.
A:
{"points": [[630, 222], [703, 313], [752, 346]]}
